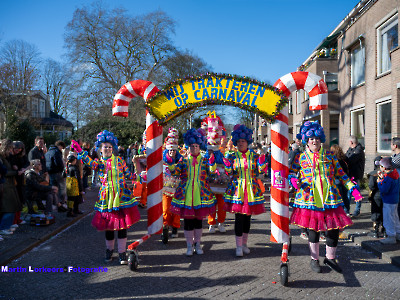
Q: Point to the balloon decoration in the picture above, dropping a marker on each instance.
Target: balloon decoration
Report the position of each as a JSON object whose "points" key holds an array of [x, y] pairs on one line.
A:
{"points": [[146, 89], [317, 90], [314, 85]]}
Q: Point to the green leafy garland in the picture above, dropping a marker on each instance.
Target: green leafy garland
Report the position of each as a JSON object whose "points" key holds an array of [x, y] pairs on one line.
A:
{"points": [[211, 101]]}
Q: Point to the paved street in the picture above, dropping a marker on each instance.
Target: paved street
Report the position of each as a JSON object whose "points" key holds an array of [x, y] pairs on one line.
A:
{"points": [[165, 272]]}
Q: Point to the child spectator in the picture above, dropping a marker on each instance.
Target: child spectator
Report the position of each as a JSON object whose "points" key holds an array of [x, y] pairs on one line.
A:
{"points": [[376, 200], [388, 184], [74, 187]]}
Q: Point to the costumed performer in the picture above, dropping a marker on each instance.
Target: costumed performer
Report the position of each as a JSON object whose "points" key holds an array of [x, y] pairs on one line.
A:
{"points": [[170, 184], [193, 199], [317, 205], [116, 208], [216, 133], [243, 197]]}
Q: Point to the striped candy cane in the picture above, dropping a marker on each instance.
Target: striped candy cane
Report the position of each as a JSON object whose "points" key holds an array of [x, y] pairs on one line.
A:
{"points": [[154, 141], [318, 92], [314, 85], [279, 184]]}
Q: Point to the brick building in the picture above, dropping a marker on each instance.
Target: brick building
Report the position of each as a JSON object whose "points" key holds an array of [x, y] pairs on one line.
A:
{"points": [[35, 106], [360, 62]]}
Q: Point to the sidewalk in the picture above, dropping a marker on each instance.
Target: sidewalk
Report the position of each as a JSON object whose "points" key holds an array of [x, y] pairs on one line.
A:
{"points": [[27, 237], [358, 234]]}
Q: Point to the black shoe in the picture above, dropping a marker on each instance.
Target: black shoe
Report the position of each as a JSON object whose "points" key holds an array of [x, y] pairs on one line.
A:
{"points": [[314, 264], [61, 209], [109, 254], [122, 259], [174, 233], [78, 212], [331, 263]]}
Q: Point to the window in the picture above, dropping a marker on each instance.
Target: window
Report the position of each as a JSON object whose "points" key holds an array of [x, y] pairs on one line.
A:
{"points": [[388, 39], [358, 66], [42, 109], [290, 107], [357, 128], [306, 97], [298, 101], [331, 80], [384, 135], [34, 108]]}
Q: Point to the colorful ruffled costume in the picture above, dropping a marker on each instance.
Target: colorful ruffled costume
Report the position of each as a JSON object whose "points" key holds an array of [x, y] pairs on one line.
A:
{"points": [[243, 195], [318, 205], [170, 183], [116, 208], [193, 199]]}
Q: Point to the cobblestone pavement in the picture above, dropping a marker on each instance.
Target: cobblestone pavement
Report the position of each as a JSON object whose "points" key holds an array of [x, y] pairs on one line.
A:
{"points": [[165, 272]]}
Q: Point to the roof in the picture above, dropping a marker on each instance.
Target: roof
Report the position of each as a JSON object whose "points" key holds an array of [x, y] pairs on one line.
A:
{"points": [[55, 119]]}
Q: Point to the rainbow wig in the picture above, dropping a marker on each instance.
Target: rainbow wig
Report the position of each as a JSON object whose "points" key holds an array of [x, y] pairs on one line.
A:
{"points": [[242, 132], [193, 136], [312, 129], [106, 137]]}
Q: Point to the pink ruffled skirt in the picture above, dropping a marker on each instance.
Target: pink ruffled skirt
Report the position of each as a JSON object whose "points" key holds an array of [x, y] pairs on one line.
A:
{"points": [[190, 213], [116, 220], [334, 218], [244, 209]]}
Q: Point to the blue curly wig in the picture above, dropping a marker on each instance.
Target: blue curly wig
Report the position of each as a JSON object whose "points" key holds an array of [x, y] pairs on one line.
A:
{"points": [[312, 129], [242, 132], [106, 137], [193, 136]]}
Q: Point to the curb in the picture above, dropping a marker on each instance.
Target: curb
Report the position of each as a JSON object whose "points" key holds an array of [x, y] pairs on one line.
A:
{"points": [[43, 239], [388, 253], [388, 256]]}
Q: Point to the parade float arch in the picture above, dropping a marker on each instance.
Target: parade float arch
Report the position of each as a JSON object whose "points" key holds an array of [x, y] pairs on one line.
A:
{"points": [[211, 89]]}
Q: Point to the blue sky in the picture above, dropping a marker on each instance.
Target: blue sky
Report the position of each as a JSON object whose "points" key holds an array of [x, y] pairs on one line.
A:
{"points": [[261, 39]]}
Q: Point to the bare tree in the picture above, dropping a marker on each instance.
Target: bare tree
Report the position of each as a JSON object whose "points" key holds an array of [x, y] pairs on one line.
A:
{"points": [[56, 81], [19, 73], [112, 47], [21, 59], [108, 48]]}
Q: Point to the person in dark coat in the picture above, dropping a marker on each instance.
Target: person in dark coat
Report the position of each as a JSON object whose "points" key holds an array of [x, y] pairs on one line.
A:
{"points": [[38, 152], [356, 157], [38, 188], [55, 167], [376, 201], [10, 203], [344, 163], [20, 159]]}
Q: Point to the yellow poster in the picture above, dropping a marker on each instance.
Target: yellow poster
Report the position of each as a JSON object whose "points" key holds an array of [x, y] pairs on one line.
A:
{"points": [[212, 89]]}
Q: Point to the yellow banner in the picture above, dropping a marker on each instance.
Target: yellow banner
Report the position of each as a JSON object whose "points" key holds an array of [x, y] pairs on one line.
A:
{"points": [[231, 90]]}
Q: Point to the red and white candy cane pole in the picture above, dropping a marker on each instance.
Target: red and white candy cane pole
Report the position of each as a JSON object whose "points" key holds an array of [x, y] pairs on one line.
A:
{"points": [[127, 92], [318, 92]]}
